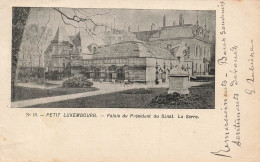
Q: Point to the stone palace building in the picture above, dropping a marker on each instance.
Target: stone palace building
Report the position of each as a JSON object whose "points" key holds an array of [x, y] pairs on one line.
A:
{"points": [[144, 56]]}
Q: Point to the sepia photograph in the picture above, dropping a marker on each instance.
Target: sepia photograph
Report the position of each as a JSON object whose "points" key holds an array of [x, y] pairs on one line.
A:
{"points": [[130, 81], [113, 58]]}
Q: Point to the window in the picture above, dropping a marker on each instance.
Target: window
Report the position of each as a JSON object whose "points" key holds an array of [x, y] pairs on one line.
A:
{"points": [[188, 52], [205, 52], [200, 52], [53, 49], [169, 46], [63, 63], [196, 51], [80, 50], [94, 49]]}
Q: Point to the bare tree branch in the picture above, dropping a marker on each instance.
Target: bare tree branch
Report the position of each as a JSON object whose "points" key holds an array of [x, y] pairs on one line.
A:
{"points": [[81, 16], [98, 14]]}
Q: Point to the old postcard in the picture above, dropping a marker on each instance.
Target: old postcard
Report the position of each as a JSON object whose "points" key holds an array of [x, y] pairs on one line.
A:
{"points": [[108, 55], [130, 81]]}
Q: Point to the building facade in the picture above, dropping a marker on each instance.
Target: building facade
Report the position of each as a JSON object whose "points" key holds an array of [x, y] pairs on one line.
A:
{"points": [[146, 56], [196, 39], [134, 61], [58, 54]]}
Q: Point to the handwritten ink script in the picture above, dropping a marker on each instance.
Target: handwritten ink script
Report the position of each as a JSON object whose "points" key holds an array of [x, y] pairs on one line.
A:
{"points": [[251, 88], [224, 108], [232, 116]]}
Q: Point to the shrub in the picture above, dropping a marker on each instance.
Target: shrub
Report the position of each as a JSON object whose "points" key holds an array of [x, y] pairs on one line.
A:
{"points": [[52, 75], [173, 100], [77, 82]]}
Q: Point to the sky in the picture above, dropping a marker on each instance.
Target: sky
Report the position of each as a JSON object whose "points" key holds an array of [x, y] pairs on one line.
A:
{"points": [[122, 17]]}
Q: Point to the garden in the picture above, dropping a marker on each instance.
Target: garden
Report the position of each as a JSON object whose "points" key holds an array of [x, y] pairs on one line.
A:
{"points": [[202, 96], [77, 84]]}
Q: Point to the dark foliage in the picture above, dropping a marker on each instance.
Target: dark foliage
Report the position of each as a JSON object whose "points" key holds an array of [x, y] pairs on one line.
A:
{"points": [[52, 75], [174, 99], [77, 82], [30, 72], [200, 97]]}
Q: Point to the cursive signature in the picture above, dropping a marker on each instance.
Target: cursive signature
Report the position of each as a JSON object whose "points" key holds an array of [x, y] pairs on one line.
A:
{"points": [[251, 79]]}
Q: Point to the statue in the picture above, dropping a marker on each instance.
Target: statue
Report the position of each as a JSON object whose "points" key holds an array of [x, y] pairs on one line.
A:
{"points": [[179, 77], [182, 51]]}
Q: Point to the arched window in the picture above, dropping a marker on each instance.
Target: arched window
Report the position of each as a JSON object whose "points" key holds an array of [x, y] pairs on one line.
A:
{"points": [[188, 52], [205, 52], [94, 49], [121, 74], [196, 51], [200, 52], [63, 63], [97, 75]]}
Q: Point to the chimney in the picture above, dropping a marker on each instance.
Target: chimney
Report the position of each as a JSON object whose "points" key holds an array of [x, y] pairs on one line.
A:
{"points": [[205, 24], [197, 22], [181, 21], [164, 21], [115, 24], [152, 27]]}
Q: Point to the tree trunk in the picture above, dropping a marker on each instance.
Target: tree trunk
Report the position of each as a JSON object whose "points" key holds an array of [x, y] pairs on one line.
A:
{"points": [[20, 15]]}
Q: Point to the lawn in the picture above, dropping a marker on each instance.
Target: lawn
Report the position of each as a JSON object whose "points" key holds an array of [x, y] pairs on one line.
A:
{"points": [[135, 99], [24, 93]]}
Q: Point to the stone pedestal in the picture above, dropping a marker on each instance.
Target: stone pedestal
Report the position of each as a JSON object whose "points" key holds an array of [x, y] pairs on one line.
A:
{"points": [[179, 82]]}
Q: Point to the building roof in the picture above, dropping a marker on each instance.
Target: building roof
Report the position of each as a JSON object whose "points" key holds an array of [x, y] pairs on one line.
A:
{"points": [[84, 39], [61, 35], [144, 35], [132, 49]]}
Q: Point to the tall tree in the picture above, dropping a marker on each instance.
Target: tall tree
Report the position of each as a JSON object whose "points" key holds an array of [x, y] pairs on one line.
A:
{"points": [[20, 16]]}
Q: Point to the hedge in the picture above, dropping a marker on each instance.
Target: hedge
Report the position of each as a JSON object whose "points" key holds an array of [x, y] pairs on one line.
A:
{"points": [[77, 82]]}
